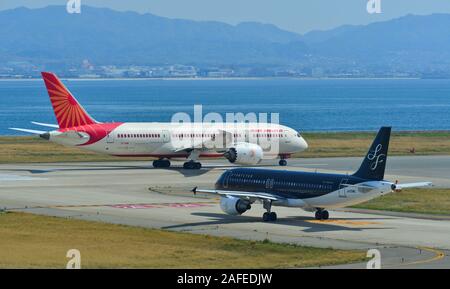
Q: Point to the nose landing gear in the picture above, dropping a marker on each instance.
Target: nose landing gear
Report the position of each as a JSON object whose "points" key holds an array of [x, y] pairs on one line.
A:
{"points": [[283, 161]]}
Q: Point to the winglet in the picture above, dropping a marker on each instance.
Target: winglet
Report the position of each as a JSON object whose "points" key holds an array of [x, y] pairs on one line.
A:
{"points": [[45, 124], [194, 190]]}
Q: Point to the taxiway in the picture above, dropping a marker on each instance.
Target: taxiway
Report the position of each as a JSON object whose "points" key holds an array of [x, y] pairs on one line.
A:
{"points": [[134, 193]]}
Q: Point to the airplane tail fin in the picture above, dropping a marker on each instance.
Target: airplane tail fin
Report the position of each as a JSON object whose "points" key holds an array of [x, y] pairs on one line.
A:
{"points": [[374, 164], [68, 111]]}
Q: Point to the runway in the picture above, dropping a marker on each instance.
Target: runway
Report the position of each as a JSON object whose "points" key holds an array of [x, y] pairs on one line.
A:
{"points": [[134, 193]]}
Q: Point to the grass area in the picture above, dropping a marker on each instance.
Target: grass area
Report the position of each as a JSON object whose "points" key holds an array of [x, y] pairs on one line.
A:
{"points": [[33, 241], [33, 149], [423, 201], [344, 144]]}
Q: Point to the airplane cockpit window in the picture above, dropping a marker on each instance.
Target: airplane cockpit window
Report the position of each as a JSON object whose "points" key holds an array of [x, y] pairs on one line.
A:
{"points": [[299, 135]]}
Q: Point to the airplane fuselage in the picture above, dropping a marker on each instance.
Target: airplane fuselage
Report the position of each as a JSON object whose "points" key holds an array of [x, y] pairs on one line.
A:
{"points": [[162, 140], [304, 189], [239, 142]]}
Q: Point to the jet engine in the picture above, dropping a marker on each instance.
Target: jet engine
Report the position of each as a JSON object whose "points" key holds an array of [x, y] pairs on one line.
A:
{"points": [[234, 206], [244, 153]]}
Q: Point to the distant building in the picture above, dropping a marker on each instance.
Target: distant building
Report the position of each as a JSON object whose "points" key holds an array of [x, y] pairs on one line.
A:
{"points": [[221, 73], [182, 71], [87, 65]]}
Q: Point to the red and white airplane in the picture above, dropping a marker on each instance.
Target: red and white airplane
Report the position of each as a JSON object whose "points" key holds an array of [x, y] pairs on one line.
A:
{"points": [[240, 143]]}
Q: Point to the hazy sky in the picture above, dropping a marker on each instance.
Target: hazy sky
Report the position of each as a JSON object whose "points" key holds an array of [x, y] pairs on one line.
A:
{"points": [[294, 15]]}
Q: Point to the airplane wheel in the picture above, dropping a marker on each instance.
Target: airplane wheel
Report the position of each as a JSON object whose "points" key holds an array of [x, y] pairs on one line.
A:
{"points": [[269, 217], [192, 165], [282, 163], [161, 164], [318, 215], [322, 215]]}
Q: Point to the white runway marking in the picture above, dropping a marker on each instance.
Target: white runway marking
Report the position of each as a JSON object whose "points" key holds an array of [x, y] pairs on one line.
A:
{"points": [[6, 177]]}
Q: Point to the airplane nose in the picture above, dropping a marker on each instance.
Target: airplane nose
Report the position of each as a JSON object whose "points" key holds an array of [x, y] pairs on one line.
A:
{"points": [[303, 145]]}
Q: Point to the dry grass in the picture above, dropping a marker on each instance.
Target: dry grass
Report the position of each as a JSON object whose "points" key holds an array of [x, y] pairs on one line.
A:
{"points": [[423, 201], [36, 150], [33, 149], [32, 241], [356, 144]]}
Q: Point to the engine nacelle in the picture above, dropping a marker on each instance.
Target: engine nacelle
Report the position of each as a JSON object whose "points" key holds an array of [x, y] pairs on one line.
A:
{"points": [[245, 153], [234, 206]]}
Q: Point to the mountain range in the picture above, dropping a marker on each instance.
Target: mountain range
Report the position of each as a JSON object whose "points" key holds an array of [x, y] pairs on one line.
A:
{"points": [[50, 36]]}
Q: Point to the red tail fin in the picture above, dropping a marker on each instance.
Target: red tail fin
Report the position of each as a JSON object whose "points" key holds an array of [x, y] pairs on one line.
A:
{"points": [[68, 111]]}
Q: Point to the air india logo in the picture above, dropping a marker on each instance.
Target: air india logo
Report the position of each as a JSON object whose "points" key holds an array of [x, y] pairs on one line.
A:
{"points": [[376, 157]]}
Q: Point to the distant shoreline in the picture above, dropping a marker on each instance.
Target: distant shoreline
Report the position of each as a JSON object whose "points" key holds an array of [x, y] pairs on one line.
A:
{"points": [[221, 78]]}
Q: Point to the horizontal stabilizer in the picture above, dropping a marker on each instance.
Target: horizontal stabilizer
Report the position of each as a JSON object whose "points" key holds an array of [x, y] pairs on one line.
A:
{"points": [[45, 124], [413, 185], [28, 130], [72, 134]]}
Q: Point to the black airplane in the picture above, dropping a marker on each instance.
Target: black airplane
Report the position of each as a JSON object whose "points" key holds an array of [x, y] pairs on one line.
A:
{"points": [[240, 188]]}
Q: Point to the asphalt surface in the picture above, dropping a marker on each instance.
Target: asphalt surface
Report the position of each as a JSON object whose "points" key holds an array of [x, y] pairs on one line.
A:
{"points": [[134, 193]]}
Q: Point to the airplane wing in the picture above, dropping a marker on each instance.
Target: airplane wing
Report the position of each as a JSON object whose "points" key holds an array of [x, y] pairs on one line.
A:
{"points": [[240, 194], [413, 185], [45, 124], [191, 146], [364, 186], [28, 130]]}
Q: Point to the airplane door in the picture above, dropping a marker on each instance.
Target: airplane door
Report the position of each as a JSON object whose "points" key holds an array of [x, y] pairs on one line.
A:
{"points": [[165, 135], [227, 139], [269, 184], [109, 141], [343, 188], [109, 138], [247, 136], [225, 181]]}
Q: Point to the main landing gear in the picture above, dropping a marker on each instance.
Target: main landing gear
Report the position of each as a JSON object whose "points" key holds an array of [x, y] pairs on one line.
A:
{"points": [[322, 214], [269, 216], [192, 165], [161, 163]]}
